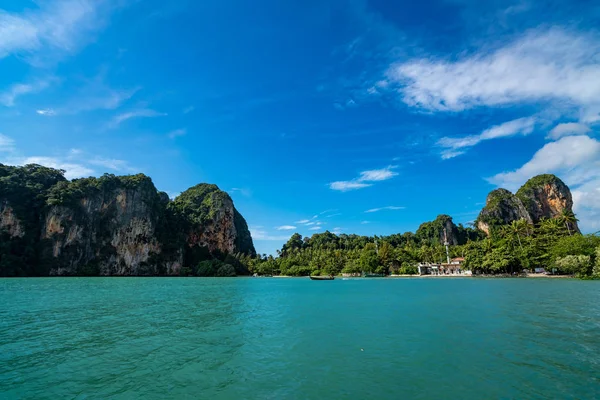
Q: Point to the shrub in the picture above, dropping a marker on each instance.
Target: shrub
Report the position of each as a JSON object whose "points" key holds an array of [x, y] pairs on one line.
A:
{"points": [[226, 270], [578, 265]]}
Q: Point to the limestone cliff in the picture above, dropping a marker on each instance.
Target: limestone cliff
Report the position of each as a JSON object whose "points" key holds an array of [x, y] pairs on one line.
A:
{"points": [[113, 225], [546, 196], [212, 222], [106, 226], [437, 230], [501, 208], [9, 222]]}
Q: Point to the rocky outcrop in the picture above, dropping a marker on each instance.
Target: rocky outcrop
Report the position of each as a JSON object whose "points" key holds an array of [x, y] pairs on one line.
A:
{"points": [[439, 230], [113, 225], [546, 196], [9, 222], [501, 208], [212, 222], [543, 196], [112, 229]]}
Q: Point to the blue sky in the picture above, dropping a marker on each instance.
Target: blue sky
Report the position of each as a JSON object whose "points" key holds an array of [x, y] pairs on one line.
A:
{"points": [[365, 117]]}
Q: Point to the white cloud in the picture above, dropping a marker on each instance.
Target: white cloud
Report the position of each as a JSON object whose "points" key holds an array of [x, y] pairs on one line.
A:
{"points": [[344, 186], [75, 162], [258, 233], [337, 230], [543, 65], [315, 228], [375, 175], [242, 191], [303, 221], [189, 109], [8, 97], [111, 163], [576, 160], [365, 222], [570, 128], [364, 179], [61, 26], [177, 133], [72, 170], [521, 126], [448, 154], [372, 210], [141, 113], [563, 155], [98, 97], [47, 112], [6, 144], [285, 228]]}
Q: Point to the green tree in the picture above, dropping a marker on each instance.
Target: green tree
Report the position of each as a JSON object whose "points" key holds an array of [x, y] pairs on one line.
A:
{"points": [[568, 218], [575, 265], [369, 261]]}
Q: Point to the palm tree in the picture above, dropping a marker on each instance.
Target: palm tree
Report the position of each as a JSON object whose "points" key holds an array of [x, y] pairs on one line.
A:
{"points": [[516, 229], [568, 218]]}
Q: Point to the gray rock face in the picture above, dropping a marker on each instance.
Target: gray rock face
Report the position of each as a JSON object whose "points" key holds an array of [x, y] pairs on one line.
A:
{"points": [[9, 222], [110, 233], [501, 208]]}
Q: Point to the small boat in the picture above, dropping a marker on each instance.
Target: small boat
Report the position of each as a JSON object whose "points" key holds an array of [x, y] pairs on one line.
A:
{"points": [[322, 278]]}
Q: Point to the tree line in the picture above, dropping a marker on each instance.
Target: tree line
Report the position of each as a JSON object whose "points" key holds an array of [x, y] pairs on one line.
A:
{"points": [[512, 248]]}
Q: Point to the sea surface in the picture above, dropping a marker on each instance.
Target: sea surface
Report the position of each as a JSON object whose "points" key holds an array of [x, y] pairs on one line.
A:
{"points": [[277, 338]]}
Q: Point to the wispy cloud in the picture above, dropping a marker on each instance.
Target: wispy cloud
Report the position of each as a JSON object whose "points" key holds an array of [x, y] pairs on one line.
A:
{"points": [[372, 210], [55, 28], [6, 144], [452, 145], [315, 228], [188, 110], [177, 133], [242, 191], [345, 186], [567, 129], [141, 113], [285, 228], [72, 170], [258, 233], [303, 221], [544, 65], [9, 97], [111, 163], [365, 222], [75, 162], [365, 179], [46, 112]]}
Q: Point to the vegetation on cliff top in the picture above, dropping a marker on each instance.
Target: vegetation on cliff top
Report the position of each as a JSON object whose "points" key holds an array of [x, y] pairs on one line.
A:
{"points": [[526, 191]]}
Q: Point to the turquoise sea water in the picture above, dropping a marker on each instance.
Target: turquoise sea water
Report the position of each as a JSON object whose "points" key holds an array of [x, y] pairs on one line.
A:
{"points": [[244, 338]]}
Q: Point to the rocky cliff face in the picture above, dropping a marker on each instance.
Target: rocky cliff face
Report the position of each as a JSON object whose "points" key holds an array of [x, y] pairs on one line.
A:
{"points": [[9, 222], [501, 208], [438, 230], [546, 196], [212, 222], [111, 226], [109, 230]]}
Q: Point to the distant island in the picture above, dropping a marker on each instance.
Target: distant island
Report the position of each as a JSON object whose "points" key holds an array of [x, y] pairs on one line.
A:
{"points": [[123, 226]]}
